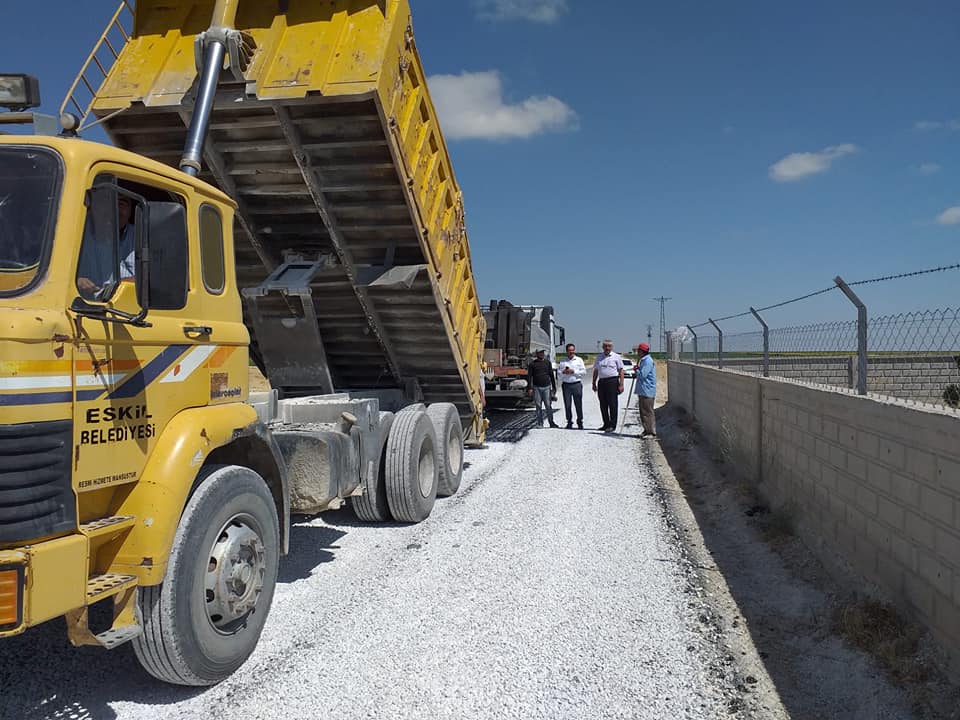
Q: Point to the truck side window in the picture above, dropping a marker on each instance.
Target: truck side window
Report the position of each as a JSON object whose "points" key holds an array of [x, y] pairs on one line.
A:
{"points": [[211, 249], [169, 260]]}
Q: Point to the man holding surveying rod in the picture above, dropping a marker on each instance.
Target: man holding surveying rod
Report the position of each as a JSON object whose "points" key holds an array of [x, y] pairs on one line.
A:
{"points": [[646, 384]]}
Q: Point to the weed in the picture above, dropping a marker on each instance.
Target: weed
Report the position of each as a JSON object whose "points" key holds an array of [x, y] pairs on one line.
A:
{"points": [[878, 629], [951, 395]]}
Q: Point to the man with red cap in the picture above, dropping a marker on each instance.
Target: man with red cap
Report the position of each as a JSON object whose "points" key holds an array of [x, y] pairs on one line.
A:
{"points": [[646, 390]]}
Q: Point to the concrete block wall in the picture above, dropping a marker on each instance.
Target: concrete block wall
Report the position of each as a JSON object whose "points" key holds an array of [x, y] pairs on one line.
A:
{"points": [[874, 483], [917, 377], [827, 370]]}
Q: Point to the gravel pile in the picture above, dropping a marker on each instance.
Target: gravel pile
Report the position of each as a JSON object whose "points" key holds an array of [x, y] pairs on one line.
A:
{"points": [[549, 587]]}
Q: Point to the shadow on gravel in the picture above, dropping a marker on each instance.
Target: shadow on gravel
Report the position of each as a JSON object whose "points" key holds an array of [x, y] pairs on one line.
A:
{"points": [[55, 681], [310, 547], [345, 518], [783, 597]]}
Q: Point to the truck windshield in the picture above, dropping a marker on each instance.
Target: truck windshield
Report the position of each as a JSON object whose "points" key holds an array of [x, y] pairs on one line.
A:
{"points": [[29, 189]]}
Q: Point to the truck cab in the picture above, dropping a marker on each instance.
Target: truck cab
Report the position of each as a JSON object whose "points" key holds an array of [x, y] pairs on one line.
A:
{"points": [[124, 369]]}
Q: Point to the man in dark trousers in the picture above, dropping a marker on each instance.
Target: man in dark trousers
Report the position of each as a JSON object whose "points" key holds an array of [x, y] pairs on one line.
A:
{"points": [[543, 387], [646, 390], [608, 384], [571, 371]]}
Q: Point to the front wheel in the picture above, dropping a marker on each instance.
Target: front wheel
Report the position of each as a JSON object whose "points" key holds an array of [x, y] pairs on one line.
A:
{"points": [[205, 619]]}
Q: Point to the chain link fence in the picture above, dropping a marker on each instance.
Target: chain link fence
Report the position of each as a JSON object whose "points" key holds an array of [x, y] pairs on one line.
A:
{"points": [[913, 356]]}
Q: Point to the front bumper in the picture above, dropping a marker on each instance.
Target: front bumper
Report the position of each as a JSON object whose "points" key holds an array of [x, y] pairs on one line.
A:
{"points": [[42, 581]]}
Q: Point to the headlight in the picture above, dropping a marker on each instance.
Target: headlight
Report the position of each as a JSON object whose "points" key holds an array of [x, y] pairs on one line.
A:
{"points": [[19, 92]]}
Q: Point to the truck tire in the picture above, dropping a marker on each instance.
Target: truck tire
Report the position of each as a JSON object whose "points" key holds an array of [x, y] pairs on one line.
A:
{"points": [[202, 623], [446, 424], [372, 506], [412, 467]]}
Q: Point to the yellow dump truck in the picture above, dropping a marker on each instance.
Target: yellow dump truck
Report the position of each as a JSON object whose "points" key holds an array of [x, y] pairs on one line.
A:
{"points": [[279, 191]]}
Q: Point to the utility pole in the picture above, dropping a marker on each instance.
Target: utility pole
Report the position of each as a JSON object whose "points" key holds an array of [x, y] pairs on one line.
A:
{"points": [[649, 334], [663, 321]]}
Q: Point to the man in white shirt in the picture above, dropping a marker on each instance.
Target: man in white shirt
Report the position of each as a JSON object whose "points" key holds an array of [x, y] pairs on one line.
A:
{"points": [[571, 371], [608, 384]]}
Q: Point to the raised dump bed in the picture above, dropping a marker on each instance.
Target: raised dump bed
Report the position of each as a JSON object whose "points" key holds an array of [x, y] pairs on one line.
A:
{"points": [[326, 137]]}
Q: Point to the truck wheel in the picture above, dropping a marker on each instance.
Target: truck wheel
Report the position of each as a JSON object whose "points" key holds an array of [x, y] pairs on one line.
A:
{"points": [[411, 467], [372, 505], [446, 423], [205, 619]]}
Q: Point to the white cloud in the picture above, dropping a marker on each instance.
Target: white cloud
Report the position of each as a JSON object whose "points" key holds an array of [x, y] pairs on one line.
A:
{"points": [[934, 125], [544, 11], [950, 216], [928, 168], [797, 166], [471, 106], [728, 129]]}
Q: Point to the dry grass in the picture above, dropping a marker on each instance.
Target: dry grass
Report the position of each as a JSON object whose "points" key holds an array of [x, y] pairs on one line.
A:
{"points": [[780, 524], [877, 629]]}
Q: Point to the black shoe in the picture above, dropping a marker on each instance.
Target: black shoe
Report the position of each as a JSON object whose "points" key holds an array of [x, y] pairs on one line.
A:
{"points": [[579, 424], [602, 429], [554, 425], [569, 425]]}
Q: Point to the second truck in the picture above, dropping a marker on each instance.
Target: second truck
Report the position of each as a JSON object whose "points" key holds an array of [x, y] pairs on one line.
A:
{"points": [[279, 190], [514, 335]]}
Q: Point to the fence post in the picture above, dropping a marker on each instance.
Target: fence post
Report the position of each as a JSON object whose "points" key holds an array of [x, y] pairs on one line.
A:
{"points": [[766, 343], [694, 344], [861, 334], [719, 343]]}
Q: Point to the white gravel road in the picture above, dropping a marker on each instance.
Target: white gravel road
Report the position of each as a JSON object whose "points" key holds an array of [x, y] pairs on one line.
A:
{"points": [[547, 588]]}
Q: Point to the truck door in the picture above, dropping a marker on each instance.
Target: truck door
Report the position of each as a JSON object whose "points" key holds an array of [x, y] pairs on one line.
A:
{"points": [[130, 379]]}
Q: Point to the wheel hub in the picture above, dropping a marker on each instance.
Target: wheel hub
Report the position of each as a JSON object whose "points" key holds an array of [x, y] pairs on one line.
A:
{"points": [[235, 573]]}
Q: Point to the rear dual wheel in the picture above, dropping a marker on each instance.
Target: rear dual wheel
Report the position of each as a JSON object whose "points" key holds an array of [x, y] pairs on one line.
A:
{"points": [[411, 466], [449, 430]]}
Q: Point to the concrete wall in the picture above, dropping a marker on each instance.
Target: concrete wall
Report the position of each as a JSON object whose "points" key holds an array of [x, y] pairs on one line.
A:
{"points": [[917, 377], [920, 378], [875, 483], [839, 371]]}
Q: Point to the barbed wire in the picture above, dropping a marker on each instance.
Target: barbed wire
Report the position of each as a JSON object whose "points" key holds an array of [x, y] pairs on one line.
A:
{"points": [[942, 268], [802, 297], [913, 356], [885, 278]]}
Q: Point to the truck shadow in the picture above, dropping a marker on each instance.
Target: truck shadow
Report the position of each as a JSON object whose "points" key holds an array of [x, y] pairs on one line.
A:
{"points": [[54, 680], [310, 547]]}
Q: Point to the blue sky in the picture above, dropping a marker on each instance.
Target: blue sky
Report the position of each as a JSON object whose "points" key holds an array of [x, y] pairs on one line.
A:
{"points": [[722, 154]]}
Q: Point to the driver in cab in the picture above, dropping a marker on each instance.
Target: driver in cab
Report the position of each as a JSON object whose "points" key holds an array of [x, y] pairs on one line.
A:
{"points": [[95, 271]]}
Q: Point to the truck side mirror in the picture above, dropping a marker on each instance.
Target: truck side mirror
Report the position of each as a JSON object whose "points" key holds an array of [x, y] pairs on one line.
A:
{"points": [[100, 239], [106, 258]]}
